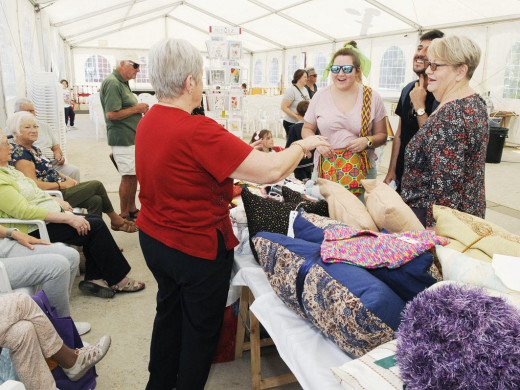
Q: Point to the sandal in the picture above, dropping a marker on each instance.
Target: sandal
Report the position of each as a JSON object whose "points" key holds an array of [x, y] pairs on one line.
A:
{"points": [[96, 287], [130, 286], [134, 214], [126, 226]]}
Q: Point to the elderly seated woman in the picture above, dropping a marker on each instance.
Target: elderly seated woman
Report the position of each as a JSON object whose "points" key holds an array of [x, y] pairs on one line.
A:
{"points": [[31, 338], [30, 261], [20, 198], [29, 160]]}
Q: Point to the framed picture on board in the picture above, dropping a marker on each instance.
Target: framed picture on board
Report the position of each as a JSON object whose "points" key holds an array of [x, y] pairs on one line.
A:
{"points": [[222, 122], [235, 50], [234, 75], [217, 102], [234, 125], [217, 76], [217, 49], [235, 103]]}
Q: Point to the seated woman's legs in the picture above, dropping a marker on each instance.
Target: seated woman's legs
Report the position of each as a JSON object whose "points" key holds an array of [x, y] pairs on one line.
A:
{"points": [[93, 196], [104, 259]]}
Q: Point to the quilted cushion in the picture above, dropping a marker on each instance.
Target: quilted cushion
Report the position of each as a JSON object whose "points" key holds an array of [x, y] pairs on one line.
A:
{"points": [[267, 215], [484, 238], [350, 306], [406, 281], [295, 198], [346, 207], [387, 208]]}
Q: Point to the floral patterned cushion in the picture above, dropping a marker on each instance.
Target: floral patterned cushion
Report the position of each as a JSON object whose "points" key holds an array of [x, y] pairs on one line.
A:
{"points": [[350, 306]]}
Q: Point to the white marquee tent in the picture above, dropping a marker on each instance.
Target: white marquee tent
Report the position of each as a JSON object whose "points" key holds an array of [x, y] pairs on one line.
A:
{"points": [[278, 36]]}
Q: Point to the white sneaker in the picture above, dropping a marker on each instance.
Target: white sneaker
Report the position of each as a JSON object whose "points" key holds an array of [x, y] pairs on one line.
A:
{"points": [[82, 327], [87, 358]]}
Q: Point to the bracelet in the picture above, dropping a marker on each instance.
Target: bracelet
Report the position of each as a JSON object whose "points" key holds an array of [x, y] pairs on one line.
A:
{"points": [[301, 146], [59, 187]]}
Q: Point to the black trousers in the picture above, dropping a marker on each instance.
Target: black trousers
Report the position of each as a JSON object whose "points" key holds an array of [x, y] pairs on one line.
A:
{"points": [[286, 126], [69, 112], [104, 260], [190, 310]]}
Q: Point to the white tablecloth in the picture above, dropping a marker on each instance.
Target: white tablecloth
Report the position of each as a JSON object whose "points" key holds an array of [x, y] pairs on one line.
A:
{"points": [[305, 350]]}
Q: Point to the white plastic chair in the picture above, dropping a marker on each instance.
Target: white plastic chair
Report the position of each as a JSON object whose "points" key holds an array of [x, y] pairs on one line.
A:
{"points": [[97, 115]]}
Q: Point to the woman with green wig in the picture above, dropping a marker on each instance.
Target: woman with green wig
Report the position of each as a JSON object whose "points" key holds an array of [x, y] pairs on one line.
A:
{"points": [[353, 118]]}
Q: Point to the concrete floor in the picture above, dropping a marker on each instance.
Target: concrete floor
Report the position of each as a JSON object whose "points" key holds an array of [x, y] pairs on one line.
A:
{"points": [[129, 318]]}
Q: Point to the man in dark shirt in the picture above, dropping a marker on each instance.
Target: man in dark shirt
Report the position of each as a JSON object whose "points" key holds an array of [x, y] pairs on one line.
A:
{"points": [[414, 107]]}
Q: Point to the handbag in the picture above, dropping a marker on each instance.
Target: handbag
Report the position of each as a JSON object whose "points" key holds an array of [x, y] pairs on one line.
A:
{"points": [[348, 168], [70, 336]]}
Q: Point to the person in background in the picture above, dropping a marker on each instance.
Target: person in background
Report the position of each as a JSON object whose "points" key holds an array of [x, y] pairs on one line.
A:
{"points": [[293, 95], [311, 86], [304, 169], [67, 103], [244, 88], [337, 110], [184, 227], [122, 115], [415, 106], [267, 141], [444, 163], [48, 143], [31, 338]]}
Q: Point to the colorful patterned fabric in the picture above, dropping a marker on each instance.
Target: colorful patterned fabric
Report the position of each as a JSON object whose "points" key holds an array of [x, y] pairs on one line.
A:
{"points": [[375, 250], [44, 169], [348, 168], [352, 308], [445, 161]]}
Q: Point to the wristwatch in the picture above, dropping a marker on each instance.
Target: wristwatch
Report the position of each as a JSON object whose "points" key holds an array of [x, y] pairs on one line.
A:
{"points": [[9, 233], [370, 143], [420, 112]]}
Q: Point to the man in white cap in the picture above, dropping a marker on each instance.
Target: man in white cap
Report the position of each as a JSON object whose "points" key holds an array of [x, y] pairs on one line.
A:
{"points": [[122, 114]]}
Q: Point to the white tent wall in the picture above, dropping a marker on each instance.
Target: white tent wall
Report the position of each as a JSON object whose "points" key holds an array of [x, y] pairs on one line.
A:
{"points": [[29, 44]]}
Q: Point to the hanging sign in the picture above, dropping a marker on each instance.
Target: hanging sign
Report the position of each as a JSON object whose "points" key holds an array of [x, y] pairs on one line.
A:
{"points": [[225, 30]]}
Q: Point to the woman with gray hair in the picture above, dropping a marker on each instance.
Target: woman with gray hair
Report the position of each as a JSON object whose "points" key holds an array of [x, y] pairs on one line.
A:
{"points": [[444, 162], [186, 165]]}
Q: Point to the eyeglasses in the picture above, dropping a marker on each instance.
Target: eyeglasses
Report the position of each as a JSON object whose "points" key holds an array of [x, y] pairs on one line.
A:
{"points": [[313, 75], [433, 66], [346, 68], [136, 66]]}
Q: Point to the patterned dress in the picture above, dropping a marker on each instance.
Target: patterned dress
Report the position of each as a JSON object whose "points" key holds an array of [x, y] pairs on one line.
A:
{"points": [[445, 161], [44, 170]]}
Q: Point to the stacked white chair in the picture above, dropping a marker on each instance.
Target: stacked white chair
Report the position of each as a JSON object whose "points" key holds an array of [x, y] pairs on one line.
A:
{"points": [[47, 95], [97, 115]]}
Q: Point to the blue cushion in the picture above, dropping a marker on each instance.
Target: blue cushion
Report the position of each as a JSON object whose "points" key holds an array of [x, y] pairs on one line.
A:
{"points": [[352, 308], [406, 281]]}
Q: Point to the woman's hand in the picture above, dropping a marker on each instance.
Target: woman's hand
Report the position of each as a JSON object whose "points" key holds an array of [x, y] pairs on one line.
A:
{"points": [[68, 183], [27, 240], [79, 223], [258, 145], [358, 145], [64, 204], [317, 142]]}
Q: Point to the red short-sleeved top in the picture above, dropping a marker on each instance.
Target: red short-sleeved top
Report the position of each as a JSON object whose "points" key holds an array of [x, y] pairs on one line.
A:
{"points": [[183, 163]]}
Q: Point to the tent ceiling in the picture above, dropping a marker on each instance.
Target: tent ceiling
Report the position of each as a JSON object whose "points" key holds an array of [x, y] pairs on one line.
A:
{"points": [[266, 24]]}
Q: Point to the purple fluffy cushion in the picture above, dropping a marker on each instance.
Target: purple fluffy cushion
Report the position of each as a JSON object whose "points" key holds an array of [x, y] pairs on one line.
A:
{"points": [[458, 337]]}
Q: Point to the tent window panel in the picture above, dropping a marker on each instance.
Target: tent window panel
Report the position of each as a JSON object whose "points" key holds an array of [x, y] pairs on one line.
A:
{"points": [[97, 68], [320, 64], [259, 73], [274, 72], [6, 58], [142, 76], [393, 69], [293, 67], [512, 73]]}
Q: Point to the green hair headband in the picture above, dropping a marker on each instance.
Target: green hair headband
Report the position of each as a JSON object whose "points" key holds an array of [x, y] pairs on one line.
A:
{"points": [[366, 64]]}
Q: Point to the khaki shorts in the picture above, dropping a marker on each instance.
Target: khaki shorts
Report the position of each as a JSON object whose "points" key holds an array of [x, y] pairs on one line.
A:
{"points": [[125, 159]]}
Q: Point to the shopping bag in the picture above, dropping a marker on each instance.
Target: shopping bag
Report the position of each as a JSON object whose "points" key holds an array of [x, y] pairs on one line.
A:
{"points": [[70, 336]]}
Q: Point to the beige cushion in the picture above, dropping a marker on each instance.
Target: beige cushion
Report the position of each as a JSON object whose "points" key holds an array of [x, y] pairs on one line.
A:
{"points": [[387, 208], [465, 229], [363, 373], [345, 206]]}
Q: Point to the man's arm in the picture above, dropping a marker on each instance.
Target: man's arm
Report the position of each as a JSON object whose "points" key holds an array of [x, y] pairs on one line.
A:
{"points": [[139, 108], [58, 154], [418, 98], [396, 145]]}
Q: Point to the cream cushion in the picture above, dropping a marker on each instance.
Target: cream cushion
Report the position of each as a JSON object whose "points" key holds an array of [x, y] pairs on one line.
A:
{"points": [[345, 206], [483, 238], [387, 208], [363, 373]]}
